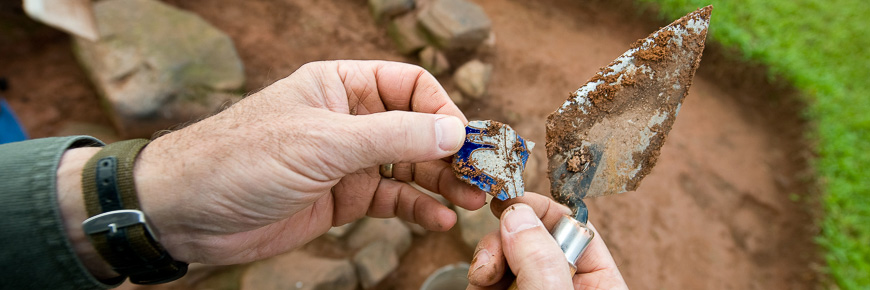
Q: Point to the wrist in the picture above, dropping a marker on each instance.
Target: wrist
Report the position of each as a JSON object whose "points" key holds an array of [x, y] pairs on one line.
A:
{"points": [[72, 207], [157, 186]]}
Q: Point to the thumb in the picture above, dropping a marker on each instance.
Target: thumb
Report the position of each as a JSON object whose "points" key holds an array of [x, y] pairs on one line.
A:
{"points": [[531, 251], [398, 136]]}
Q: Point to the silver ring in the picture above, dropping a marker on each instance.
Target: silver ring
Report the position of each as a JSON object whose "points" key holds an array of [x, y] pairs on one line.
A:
{"points": [[386, 170]]}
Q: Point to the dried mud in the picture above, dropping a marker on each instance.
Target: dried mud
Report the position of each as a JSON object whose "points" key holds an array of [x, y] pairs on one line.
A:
{"points": [[717, 212]]}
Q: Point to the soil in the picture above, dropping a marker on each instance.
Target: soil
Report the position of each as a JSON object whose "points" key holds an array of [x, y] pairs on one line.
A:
{"points": [[729, 205]]}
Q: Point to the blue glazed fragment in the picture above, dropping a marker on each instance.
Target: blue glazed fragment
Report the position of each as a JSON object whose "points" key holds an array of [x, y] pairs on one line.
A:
{"points": [[493, 158]]}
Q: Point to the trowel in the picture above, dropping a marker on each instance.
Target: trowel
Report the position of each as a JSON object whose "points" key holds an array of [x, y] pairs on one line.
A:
{"points": [[606, 137]]}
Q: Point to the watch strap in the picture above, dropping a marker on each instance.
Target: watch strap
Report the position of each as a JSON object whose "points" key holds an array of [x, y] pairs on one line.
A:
{"points": [[110, 193]]}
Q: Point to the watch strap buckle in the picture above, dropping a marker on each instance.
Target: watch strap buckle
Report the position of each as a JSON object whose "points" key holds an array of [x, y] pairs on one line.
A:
{"points": [[113, 220]]}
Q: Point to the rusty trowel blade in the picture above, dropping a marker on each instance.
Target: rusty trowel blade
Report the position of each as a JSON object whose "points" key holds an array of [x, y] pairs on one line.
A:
{"points": [[606, 137]]}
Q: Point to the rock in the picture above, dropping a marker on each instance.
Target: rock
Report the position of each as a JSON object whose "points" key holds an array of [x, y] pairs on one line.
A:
{"points": [[406, 34], [488, 45], [382, 9], [341, 231], [369, 230], [375, 262], [299, 270], [157, 66], [472, 78], [455, 24], [474, 225], [434, 61]]}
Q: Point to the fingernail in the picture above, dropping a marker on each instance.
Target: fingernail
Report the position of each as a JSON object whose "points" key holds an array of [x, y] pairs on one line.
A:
{"points": [[520, 217], [480, 260], [450, 133]]}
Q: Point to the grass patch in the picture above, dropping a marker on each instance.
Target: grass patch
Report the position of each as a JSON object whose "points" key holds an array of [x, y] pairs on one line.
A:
{"points": [[823, 48]]}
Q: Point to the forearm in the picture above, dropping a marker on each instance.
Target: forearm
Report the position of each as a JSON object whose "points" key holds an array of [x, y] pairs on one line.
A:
{"points": [[72, 206]]}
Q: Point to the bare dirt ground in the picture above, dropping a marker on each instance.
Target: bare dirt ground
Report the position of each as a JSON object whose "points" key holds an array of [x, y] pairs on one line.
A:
{"points": [[728, 205]]}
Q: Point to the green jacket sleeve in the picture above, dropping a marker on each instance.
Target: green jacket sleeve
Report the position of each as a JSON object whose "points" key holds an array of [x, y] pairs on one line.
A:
{"points": [[36, 253]]}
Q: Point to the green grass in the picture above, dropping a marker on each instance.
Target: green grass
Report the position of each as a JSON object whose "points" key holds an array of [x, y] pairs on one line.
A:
{"points": [[823, 49]]}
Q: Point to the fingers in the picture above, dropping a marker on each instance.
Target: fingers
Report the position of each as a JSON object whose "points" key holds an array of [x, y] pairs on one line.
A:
{"points": [[437, 176], [488, 265], [394, 198], [532, 253], [372, 85], [544, 208], [394, 137], [596, 268], [548, 210]]}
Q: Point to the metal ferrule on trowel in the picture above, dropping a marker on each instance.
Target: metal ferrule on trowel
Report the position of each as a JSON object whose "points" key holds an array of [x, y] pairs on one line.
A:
{"points": [[606, 137], [573, 236]]}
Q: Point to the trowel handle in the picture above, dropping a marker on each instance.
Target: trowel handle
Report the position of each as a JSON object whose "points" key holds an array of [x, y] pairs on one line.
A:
{"points": [[572, 236]]}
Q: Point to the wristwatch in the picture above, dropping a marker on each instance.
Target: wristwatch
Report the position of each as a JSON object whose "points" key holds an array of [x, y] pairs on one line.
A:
{"points": [[117, 227]]}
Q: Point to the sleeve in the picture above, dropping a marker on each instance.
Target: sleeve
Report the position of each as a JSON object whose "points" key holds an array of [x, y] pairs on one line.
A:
{"points": [[36, 251]]}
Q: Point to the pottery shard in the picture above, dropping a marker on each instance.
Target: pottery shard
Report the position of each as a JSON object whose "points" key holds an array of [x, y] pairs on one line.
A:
{"points": [[300, 270], [370, 230], [434, 61], [157, 66], [406, 34], [382, 9], [374, 262], [472, 78], [455, 24]]}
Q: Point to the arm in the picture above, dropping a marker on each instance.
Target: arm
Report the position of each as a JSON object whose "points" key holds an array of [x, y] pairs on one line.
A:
{"points": [[36, 251], [284, 165]]}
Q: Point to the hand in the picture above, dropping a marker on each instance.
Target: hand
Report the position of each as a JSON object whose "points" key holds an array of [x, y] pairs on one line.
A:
{"points": [[524, 242], [284, 165]]}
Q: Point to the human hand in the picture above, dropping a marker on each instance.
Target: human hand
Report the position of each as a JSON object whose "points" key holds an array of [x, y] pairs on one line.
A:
{"points": [[524, 243], [284, 165]]}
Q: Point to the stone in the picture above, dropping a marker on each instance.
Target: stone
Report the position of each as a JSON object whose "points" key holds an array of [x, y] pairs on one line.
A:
{"points": [[374, 262], [369, 230], [472, 78], [434, 61], [300, 270], [488, 46], [406, 34], [455, 24], [474, 225], [156, 66], [382, 9]]}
